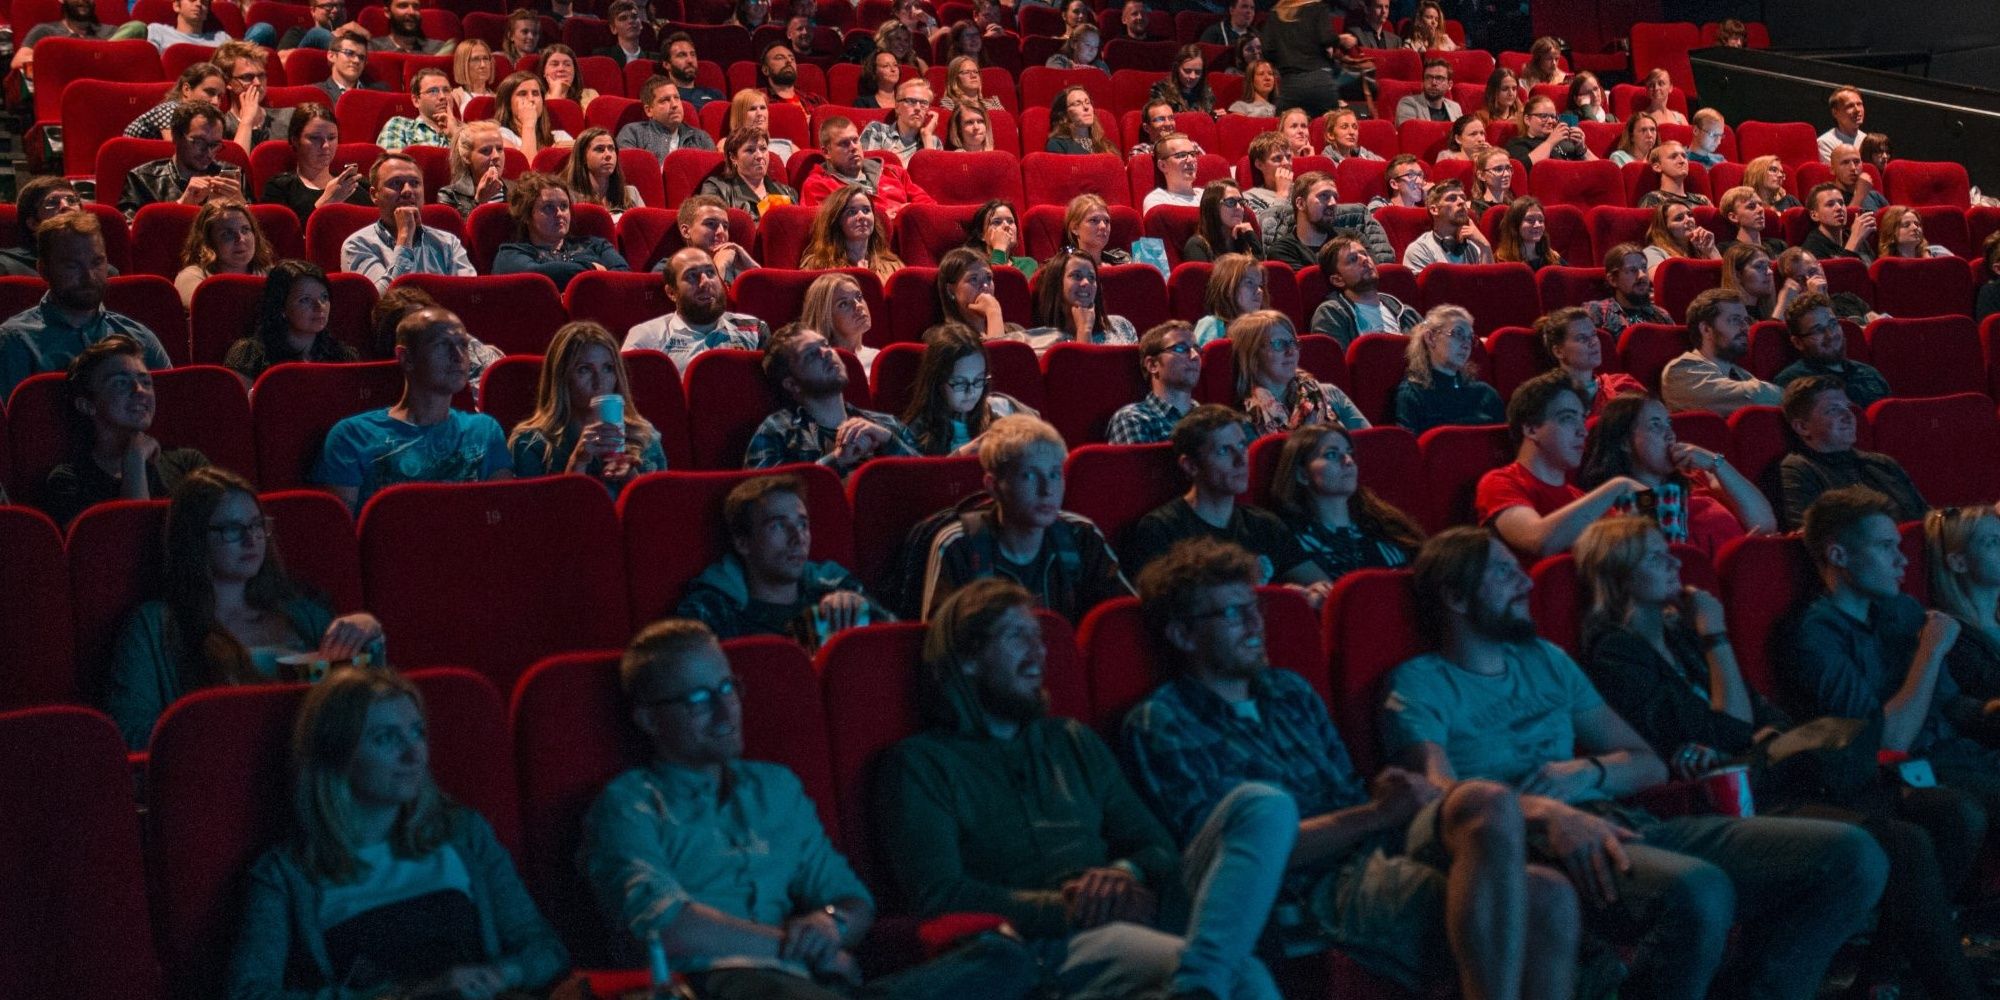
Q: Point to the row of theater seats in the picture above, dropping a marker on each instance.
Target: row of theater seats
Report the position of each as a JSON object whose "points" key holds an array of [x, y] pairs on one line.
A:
{"points": [[215, 780], [593, 569]]}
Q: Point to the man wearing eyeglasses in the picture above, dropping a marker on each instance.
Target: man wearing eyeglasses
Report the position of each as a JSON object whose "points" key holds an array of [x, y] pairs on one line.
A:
{"points": [[722, 863], [1453, 238], [765, 584], [1172, 363], [346, 60], [1407, 184], [248, 121], [914, 126], [1435, 103], [192, 175], [329, 17], [436, 123]]}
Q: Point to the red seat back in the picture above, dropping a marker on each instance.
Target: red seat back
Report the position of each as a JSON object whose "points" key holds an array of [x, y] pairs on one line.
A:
{"points": [[1645, 348], [1455, 458], [1369, 627], [35, 638], [70, 59], [1610, 226], [1055, 178], [1115, 485], [1585, 184], [1914, 182], [1911, 287], [898, 493], [961, 178], [1497, 294], [516, 313], [925, 233], [1793, 143], [1766, 581], [1679, 279], [1935, 356], [1085, 384], [1950, 445], [295, 404]]}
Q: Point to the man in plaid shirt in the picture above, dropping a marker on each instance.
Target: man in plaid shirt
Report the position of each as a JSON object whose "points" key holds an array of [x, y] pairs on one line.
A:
{"points": [[1631, 298], [1172, 364], [820, 426]]}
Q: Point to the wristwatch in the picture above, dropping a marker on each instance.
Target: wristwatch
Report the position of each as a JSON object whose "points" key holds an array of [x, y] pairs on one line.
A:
{"points": [[839, 919]]}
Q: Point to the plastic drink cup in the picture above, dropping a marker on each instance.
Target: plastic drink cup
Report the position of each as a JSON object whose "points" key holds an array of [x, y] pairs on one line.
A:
{"points": [[1728, 791], [610, 409]]}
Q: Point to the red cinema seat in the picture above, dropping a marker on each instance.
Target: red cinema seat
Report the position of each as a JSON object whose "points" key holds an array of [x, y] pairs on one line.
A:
{"points": [[1771, 349], [1645, 348], [1402, 224], [673, 528], [1945, 225], [897, 493], [1423, 138], [71, 59], [152, 301], [1934, 356], [507, 388], [960, 178], [362, 113], [1585, 184], [1172, 225], [1678, 280], [35, 638], [74, 893], [1950, 445], [1846, 274], [1368, 625], [1042, 228], [1766, 580], [1055, 178], [1571, 286], [781, 234], [1392, 465], [616, 300], [684, 170], [1122, 670], [1914, 182], [330, 226], [1793, 143], [1514, 354], [1137, 292], [95, 111], [115, 555], [547, 544], [315, 533], [198, 406], [728, 389], [1496, 294], [1358, 180], [1116, 484], [1085, 384], [1912, 287], [294, 405], [1758, 441], [1611, 225], [925, 233], [1454, 460], [516, 313]]}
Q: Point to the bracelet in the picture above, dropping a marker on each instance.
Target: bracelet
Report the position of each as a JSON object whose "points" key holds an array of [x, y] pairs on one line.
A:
{"points": [[1710, 641], [1603, 773]]}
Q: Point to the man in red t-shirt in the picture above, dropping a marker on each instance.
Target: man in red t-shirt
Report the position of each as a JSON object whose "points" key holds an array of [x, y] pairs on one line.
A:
{"points": [[1531, 503]]}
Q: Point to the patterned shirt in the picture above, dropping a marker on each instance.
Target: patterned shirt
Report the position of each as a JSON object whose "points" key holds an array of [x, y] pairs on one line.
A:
{"points": [[791, 436], [886, 135], [1147, 421], [400, 131], [677, 339], [154, 123], [1611, 317], [38, 339], [373, 253]]}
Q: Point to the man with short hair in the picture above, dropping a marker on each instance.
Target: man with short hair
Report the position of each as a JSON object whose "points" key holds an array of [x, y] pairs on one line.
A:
{"points": [[1025, 536], [406, 32], [1823, 422], [1315, 216], [628, 29], [1631, 298], [912, 128], [1848, 112], [1855, 184], [436, 123], [723, 862], [887, 183], [1369, 24], [665, 127], [346, 61], [1156, 122], [682, 65], [1133, 18], [1831, 235], [189, 16], [1669, 159], [704, 225], [1434, 104], [78, 20], [1172, 363], [764, 584], [819, 425], [1531, 503], [1231, 29], [398, 243], [1177, 161], [420, 439], [1498, 703], [700, 320], [998, 807], [1212, 449], [1453, 238], [45, 337], [193, 174], [1431, 884], [1271, 159], [1707, 377], [1407, 184], [1355, 303], [1821, 342], [249, 122], [328, 19], [778, 75], [799, 32]]}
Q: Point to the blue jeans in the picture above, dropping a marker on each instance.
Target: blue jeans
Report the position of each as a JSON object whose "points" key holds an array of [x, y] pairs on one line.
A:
{"points": [[262, 33], [1798, 888]]}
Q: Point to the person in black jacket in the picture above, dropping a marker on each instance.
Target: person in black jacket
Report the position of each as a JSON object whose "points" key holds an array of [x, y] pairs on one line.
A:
{"points": [[540, 205]]}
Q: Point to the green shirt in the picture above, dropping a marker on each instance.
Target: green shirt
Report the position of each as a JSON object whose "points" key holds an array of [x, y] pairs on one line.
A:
{"points": [[1502, 727]]}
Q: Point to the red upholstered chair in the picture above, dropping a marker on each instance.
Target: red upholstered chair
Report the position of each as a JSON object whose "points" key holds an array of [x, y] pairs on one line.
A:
{"points": [[72, 59], [727, 388], [1610, 226], [1758, 441], [158, 230], [1585, 184], [1946, 226], [672, 524], [1571, 286], [74, 896], [1914, 182], [1702, 429], [507, 388], [1793, 143], [1846, 274], [1515, 354], [1055, 178], [1042, 228], [1423, 138], [549, 544], [1771, 349], [1766, 580], [1234, 132], [648, 236], [1910, 287], [294, 405], [362, 113], [1679, 279], [925, 233], [1933, 356], [1368, 625], [95, 111], [517, 313], [781, 233], [1085, 384], [1645, 348], [1135, 291], [35, 638], [1359, 180], [152, 301], [119, 542], [316, 534], [959, 178], [1497, 294], [897, 493], [1454, 460], [1950, 445], [619, 300], [1172, 225], [1115, 485], [685, 169]]}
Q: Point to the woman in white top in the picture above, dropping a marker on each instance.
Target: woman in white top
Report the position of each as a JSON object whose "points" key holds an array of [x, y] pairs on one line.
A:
{"points": [[472, 70], [1260, 91], [523, 118], [224, 239]]}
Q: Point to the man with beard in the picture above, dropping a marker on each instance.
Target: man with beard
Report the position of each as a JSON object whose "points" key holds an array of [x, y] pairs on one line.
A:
{"points": [[1435, 103], [436, 123], [1408, 861], [1631, 298], [69, 250], [998, 807], [1830, 235], [682, 64], [1172, 363], [1453, 238], [399, 243], [1530, 503], [700, 321], [406, 31], [820, 425], [1316, 216], [1820, 340], [1707, 376], [1356, 304], [1796, 888], [420, 439], [723, 863], [79, 20], [764, 584], [192, 175], [779, 70], [1025, 535], [888, 183], [1823, 421]]}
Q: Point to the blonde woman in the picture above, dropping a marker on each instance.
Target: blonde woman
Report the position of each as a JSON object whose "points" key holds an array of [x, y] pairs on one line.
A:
{"points": [[965, 87], [1766, 176], [224, 239], [1442, 386], [837, 309], [1235, 288], [750, 109], [1901, 234], [1275, 393], [478, 158], [1674, 233], [471, 72], [567, 432], [1544, 64]]}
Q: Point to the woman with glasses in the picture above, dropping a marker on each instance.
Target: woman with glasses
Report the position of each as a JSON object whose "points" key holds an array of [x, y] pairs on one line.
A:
{"points": [[1492, 179], [312, 181], [109, 402], [965, 296], [1442, 387], [1278, 395], [952, 402], [1545, 137], [995, 232], [1341, 525], [472, 72], [293, 314], [965, 87], [226, 613], [1226, 226], [1235, 288]]}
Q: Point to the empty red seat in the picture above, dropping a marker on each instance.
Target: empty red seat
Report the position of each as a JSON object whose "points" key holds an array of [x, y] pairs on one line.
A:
{"points": [[1932, 286], [115, 555], [1497, 295], [132, 61], [1585, 184], [897, 493], [1116, 484], [95, 111], [516, 313], [1403, 224], [1793, 143], [1679, 279], [1085, 384], [73, 894], [1571, 286], [1645, 348], [781, 234], [1137, 292], [1368, 625], [1950, 445], [550, 545], [1934, 356], [1945, 225], [1055, 178], [294, 405], [617, 300], [1766, 580], [1611, 225], [1915, 182], [1454, 460], [960, 178], [925, 233], [1759, 440], [35, 638], [152, 301]]}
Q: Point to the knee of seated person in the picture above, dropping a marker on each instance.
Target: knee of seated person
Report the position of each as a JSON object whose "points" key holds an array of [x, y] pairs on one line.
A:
{"points": [[1554, 917], [1854, 854], [1485, 809], [1701, 899], [1257, 805]]}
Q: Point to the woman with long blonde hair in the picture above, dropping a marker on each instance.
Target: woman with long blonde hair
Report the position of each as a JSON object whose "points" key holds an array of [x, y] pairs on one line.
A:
{"points": [[848, 232], [567, 431], [836, 307], [1441, 386]]}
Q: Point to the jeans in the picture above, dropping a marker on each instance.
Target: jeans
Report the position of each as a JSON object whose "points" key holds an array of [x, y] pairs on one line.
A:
{"points": [[316, 38], [1231, 869], [263, 33], [987, 966], [1797, 888]]}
